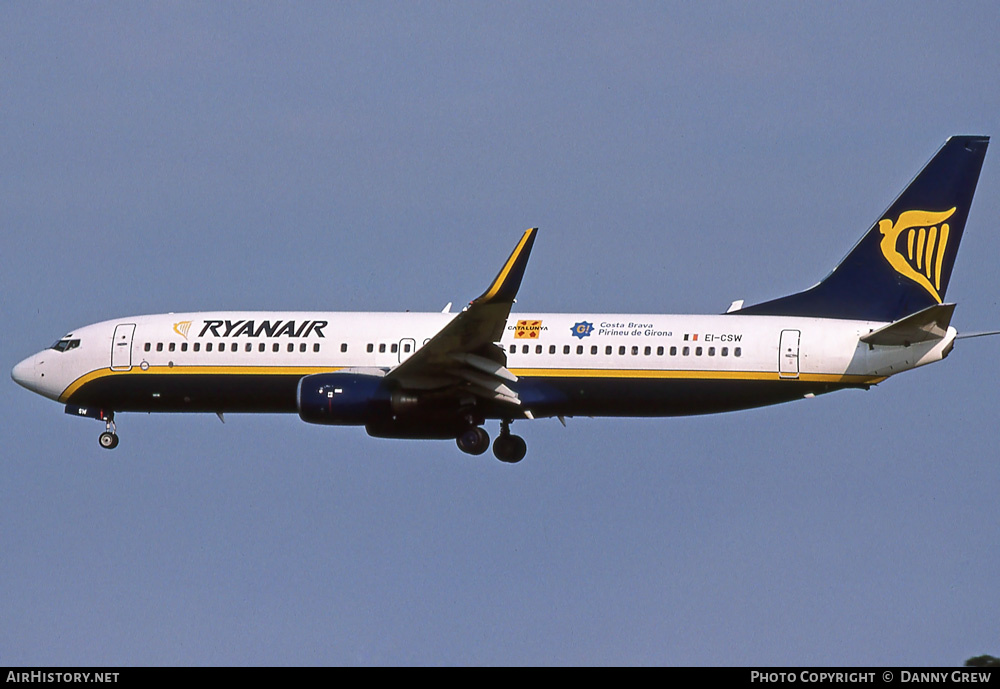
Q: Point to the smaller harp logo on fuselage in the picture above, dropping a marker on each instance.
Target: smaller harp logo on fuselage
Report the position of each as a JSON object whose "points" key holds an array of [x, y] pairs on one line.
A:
{"points": [[915, 246], [182, 328]]}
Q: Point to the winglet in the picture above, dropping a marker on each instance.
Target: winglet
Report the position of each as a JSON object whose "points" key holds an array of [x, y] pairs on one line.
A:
{"points": [[508, 280]]}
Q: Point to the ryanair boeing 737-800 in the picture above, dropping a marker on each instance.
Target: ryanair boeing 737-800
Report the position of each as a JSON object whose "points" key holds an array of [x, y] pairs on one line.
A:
{"points": [[881, 311]]}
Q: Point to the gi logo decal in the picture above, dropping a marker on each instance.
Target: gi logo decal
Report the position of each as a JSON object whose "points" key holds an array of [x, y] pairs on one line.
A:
{"points": [[582, 329], [925, 246], [528, 330]]}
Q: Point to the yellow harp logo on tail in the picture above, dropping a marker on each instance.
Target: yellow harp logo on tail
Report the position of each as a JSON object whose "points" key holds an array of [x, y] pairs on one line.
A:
{"points": [[914, 246]]}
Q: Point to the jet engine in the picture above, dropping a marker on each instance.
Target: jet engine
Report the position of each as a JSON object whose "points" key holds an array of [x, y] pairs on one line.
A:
{"points": [[364, 399], [342, 399]]}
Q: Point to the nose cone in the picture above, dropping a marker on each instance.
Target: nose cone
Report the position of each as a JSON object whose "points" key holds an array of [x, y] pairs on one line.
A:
{"points": [[24, 373]]}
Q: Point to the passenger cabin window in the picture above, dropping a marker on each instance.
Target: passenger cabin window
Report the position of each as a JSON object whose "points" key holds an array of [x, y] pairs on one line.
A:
{"points": [[146, 348], [686, 351], [565, 349], [737, 351], [302, 347], [395, 348], [697, 351], [381, 348], [234, 347], [593, 349], [725, 351], [197, 346], [579, 349], [291, 347], [621, 351], [659, 351], [184, 346], [673, 351], [208, 346], [608, 350], [371, 348], [172, 346], [275, 347], [711, 351], [538, 349], [343, 347], [159, 346], [316, 347], [261, 347]]}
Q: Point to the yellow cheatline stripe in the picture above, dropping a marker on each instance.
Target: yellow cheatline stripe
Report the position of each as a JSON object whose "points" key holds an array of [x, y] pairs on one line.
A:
{"points": [[198, 371], [520, 372], [689, 375], [502, 277]]}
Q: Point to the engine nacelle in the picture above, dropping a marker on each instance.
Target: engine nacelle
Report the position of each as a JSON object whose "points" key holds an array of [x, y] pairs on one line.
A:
{"points": [[342, 399], [352, 398]]}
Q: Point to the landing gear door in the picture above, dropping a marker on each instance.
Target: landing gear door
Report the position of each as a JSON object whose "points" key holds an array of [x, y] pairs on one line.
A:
{"points": [[788, 354], [121, 347]]}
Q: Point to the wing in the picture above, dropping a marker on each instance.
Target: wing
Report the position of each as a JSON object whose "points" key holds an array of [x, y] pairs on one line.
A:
{"points": [[464, 356]]}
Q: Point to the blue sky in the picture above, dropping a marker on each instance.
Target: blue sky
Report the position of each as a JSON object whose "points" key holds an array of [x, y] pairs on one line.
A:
{"points": [[381, 156]]}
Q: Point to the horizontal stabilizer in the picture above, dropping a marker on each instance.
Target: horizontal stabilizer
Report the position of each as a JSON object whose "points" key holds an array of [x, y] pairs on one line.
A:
{"points": [[929, 324]]}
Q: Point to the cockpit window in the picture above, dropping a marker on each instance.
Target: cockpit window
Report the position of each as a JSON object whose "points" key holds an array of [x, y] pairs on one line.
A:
{"points": [[65, 345]]}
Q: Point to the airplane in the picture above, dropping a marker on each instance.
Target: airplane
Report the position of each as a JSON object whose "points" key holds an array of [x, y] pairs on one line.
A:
{"points": [[881, 311]]}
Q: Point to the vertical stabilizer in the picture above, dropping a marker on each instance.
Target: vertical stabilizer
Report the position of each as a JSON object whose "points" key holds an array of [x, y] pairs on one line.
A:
{"points": [[903, 263]]}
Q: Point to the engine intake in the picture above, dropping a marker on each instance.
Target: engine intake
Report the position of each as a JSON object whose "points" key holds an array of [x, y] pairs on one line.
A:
{"points": [[342, 399]]}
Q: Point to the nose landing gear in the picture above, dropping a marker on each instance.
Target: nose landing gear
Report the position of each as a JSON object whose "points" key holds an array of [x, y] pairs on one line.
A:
{"points": [[109, 439]]}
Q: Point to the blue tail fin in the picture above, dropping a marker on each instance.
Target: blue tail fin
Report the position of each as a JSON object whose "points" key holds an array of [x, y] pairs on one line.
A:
{"points": [[903, 263]]}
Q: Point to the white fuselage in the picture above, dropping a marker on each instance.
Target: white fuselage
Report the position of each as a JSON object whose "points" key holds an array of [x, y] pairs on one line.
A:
{"points": [[160, 355]]}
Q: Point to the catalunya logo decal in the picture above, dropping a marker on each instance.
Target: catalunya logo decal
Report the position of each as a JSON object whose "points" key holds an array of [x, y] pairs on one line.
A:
{"points": [[914, 246], [528, 330]]}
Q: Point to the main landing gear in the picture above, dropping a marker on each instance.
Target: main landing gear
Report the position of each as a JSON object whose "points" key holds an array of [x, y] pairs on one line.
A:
{"points": [[109, 439], [474, 441], [507, 448]]}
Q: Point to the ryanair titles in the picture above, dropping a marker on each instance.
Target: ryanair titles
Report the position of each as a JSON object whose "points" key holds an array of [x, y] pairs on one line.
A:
{"points": [[278, 328]]}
